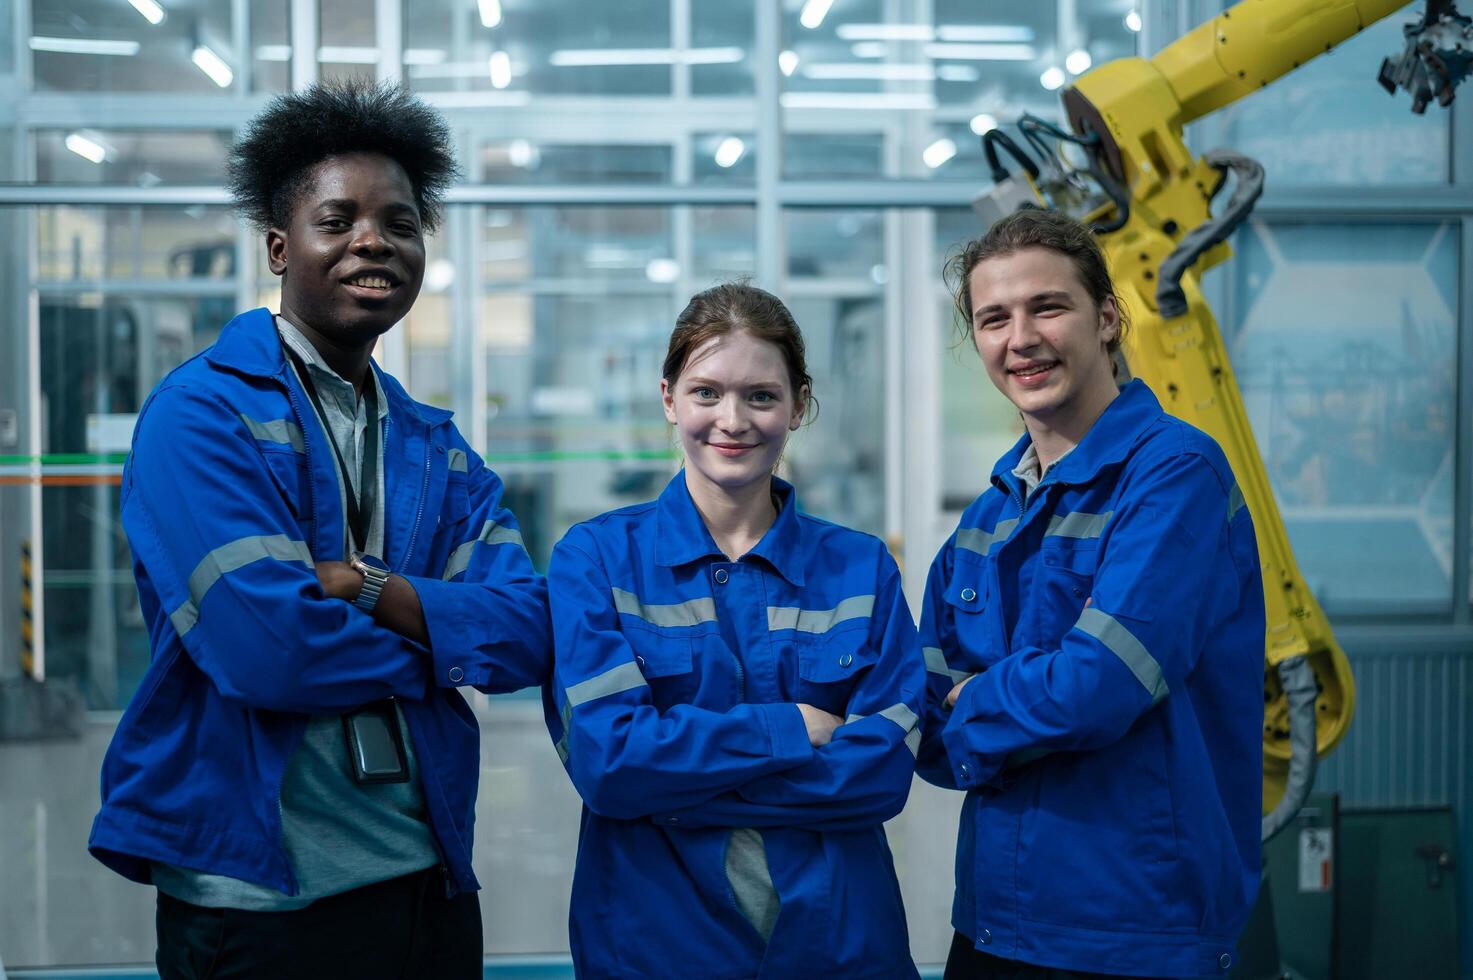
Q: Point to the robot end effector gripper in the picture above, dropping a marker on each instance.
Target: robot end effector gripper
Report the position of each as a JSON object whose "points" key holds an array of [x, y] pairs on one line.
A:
{"points": [[1437, 57]]}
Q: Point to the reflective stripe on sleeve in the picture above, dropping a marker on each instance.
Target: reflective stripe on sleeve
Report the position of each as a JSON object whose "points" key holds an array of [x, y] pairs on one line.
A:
{"points": [[936, 664], [227, 558], [1078, 525], [905, 719], [689, 613], [491, 534], [458, 461], [978, 541], [1121, 642], [615, 680], [819, 620], [276, 430]]}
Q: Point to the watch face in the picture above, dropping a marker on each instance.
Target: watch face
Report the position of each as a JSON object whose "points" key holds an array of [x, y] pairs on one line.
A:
{"points": [[370, 561]]}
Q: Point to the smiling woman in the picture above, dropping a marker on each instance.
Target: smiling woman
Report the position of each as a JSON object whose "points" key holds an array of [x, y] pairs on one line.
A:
{"points": [[736, 690]]}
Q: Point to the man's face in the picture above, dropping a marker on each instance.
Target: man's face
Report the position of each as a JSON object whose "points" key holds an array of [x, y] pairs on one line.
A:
{"points": [[1041, 337], [352, 256]]}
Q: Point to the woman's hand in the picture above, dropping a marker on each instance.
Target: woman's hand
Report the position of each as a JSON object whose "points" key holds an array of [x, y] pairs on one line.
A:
{"points": [[820, 724], [956, 693]]}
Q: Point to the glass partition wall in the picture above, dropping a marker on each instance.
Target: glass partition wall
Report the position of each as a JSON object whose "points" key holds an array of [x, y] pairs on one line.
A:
{"points": [[618, 158]]}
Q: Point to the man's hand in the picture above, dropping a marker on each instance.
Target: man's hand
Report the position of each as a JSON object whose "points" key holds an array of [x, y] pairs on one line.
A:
{"points": [[956, 692], [398, 607], [339, 579], [820, 724]]}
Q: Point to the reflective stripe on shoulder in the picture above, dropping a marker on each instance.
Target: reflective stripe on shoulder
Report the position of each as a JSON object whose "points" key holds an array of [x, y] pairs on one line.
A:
{"points": [[819, 620], [458, 461], [227, 558], [282, 431], [976, 540], [904, 718], [689, 613], [491, 534], [615, 680], [1235, 502], [1078, 525], [936, 664], [1121, 642]]}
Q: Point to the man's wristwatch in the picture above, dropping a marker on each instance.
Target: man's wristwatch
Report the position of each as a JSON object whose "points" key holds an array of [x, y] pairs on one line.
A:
{"points": [[375, 576]]}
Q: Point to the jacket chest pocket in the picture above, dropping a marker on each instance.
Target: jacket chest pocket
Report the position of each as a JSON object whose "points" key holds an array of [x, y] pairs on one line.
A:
{"points": [[969, 598], [685, 668], [293, 481], [831, 664], [455, 507], [1067, 579]]}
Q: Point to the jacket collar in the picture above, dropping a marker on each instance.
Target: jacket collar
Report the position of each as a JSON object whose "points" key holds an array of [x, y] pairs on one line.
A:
{"points": [[681, 536], [250, 345], [1106, 444]]}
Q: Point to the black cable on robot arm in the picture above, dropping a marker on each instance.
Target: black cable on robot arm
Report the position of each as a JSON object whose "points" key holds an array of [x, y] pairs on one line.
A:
{"points": [[1028, 122], [990, 141]]}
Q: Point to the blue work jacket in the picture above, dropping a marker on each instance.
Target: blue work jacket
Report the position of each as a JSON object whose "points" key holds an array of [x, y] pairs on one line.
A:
{"points": [[1110, 739], [230, 493], [715, 841]]}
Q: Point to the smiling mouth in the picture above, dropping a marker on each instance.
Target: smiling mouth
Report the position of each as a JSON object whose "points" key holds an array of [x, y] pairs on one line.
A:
{"points": [[377, 283], [1032, 371], [731, 450]]}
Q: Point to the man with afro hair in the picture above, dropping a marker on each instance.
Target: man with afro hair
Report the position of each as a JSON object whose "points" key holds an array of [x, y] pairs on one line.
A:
{"points": [[322, 562]]}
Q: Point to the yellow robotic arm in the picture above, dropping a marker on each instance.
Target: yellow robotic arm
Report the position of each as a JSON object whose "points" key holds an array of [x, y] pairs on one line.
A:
{"points": [[1154, 221]]}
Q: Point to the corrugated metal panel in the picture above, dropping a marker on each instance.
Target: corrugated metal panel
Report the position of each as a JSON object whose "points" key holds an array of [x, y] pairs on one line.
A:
{"points": [[1408, 745]]}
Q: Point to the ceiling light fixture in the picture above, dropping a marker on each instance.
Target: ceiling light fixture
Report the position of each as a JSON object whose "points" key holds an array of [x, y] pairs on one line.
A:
{"points": [[207, 61], [82, 45], [813, 13], [490, 12], [500, 65], [88, 149], [150, 10]]}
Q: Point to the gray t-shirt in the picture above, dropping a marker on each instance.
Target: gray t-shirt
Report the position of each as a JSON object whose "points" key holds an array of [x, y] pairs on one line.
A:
{"points": [[339, 835]]}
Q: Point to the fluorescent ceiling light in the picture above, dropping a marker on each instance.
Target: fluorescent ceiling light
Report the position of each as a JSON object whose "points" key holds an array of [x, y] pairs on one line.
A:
{"points": [[424, 56], [938, 153], [958, 73], [151, 11], [852, 71], [345, 55], [787, 61], [1078, 61], [662, 270], [858, 100], [1052, 78], [602, 57], [869, 49], [274, 52], [500, 65], [1133, 21], [981, 52], [83, 45], [884, 32], [985, 33], [490, 12], [449, 69], [439, 275], [521, 153], [729, 152], [212, 65], [813, 13], [86, 148], [983, 122]]}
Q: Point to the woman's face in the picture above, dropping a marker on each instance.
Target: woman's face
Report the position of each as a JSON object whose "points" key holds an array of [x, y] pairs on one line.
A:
{"points": [[732, 407]]}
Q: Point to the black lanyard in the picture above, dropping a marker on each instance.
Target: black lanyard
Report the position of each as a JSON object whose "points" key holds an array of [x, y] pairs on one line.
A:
{"points": [[360, 505]]}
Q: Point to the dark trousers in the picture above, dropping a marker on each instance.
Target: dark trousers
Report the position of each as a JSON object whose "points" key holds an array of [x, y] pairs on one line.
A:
{"points": [[965, 962], [400, 929]]}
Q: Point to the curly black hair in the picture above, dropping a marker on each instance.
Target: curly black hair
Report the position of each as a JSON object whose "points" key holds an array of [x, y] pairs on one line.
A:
{"points": [[273, 158]]}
